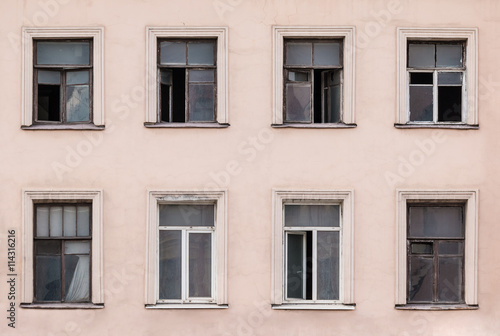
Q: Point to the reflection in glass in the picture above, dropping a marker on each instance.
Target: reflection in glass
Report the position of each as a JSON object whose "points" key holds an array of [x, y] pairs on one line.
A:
{"points": [[77, 103], [298, 103], [328, 265]]}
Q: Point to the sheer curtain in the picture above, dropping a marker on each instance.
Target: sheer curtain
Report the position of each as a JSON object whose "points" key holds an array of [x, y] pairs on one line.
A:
{"points": [[79, 287]]}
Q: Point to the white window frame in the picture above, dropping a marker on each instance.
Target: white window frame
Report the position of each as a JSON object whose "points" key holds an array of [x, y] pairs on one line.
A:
{"points": [[469, 99], [97, 35], [153, 34], [314, 197], [219, 249], [32, 196], [470, 199], [346, 33]]}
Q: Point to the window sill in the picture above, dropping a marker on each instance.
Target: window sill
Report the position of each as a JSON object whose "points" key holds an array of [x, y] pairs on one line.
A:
{"points": [[187, 306], [185, 125], [62, 305], [335, 125], [314, 306], [63, 127], [436, 307], [441, 125]]}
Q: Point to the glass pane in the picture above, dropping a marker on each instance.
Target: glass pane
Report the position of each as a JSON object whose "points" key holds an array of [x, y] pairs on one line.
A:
{"points": [[298, 53], [56, 221], [420, 287], [69, 221], [201, 53], [47, 247], [201, 76], [63, 53], [421, 107], [421, 78], [77, 247], [328, 265], [166, 77], [42, 221], [421, 248], [451, 247], [77, 77], [449, 78], [327, 54], [333, 100], [295, 266], [450, 279], [49, 77], [48, 278], [421, 55], [312, 215], [448, 55], [170, 265], [201, 102], [187, 215], [49, 103], [298, 103], [83, 221], [77, 278], [173, 52], [297, 76], [449, 103], [436, 221], [77, 103], [200, 265]]}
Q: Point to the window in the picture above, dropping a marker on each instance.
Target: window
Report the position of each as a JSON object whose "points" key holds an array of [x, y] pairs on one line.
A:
{"points": [[439, 78], [313, 77], [186, 262], [187, 77], [438, 254], [62, 87], [313, 250], [62, 249]]}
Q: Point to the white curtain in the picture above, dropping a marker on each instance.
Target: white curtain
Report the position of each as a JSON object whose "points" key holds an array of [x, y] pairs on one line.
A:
{"points": [[79, 287]]}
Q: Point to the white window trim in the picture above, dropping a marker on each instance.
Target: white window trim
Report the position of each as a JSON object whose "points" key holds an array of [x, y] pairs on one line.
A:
{"points": [[97, 36], [345, 32], [471, 65], [31, 196], [470, 197], [156, 197], [345, 197], [152, 36]]}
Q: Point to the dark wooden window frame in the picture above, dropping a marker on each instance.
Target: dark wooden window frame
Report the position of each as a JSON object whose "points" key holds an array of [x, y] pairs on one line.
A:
{"points": [[63, 240], [310, 69], [435, 255], [63, 69], [187, 67]]}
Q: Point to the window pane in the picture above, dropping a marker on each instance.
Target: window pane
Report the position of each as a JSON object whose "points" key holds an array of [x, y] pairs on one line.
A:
{"points": [[83, 221], [48, 247], [451, 247], [449, 103], [312, 215], [449, 78], [421, 55], [42, 221], [421, 107], [201, 53], [166, 77], [49, 77], [170, 264], [420, 279], [298, 53], [295, 266], [298, 103], [201, 76], [187, 215], [56, 221], [298, 76], [48, 278], [200, 265], [63, 53], [421, 78], [421, 248], [328, 265], [77, 77], [332, 96], [327, 54], [49, 103], [450, 279], [77, 103], [201, 102], [435, 221], [448, 55], [69, 221], [173, 52], [77, 247], [77, 278]]}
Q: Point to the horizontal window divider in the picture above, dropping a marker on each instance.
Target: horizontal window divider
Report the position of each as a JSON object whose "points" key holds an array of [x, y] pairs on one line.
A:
{"points": [[186, 306], [62, 305], [438, 125], [316, 125], [186, 125], [314, 306], [63, 127], [436, 307]]}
